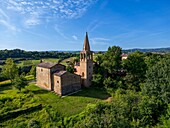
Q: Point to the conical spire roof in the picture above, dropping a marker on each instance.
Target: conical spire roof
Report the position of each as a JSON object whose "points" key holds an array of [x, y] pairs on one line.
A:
{"points": [[86, 46]]}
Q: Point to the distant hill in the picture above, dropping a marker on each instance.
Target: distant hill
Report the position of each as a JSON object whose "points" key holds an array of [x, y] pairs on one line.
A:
{"points": [[159, 50]]}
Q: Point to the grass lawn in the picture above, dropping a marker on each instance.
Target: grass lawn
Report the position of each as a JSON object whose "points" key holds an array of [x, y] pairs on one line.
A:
{"points": [[64, 62], [54, 60], [11, 99], [35, 62], [28, 63]]}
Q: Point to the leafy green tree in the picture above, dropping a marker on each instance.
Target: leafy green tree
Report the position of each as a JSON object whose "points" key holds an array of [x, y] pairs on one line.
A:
{"points": [[10, 69], [165, 119], [152, 58], [20, 82], [97, 80], [150, 110], [70, 67], [109, 82], [136, 70], [97, 68], [33, 71], [112, 60], [158, 80]]}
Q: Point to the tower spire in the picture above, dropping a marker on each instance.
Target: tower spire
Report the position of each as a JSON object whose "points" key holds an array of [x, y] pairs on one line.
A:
{"points": [[86, 46]]}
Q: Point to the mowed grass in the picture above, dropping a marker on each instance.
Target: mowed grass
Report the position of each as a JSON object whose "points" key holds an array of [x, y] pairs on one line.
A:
{"points": [[54, 60], [28, 63], [52, 103], [64, 62], [35, 62]]}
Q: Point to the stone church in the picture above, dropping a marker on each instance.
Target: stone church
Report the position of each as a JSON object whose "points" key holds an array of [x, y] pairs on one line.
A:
{"points": [[54, 77]]}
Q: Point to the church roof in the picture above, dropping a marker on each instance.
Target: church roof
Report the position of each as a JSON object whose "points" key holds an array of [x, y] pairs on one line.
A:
{"points": [[86, 46], [47, 64], [60, 73]]}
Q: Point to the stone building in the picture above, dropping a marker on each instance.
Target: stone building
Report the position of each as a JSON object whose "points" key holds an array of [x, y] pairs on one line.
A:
{"points": [[54, 77]]}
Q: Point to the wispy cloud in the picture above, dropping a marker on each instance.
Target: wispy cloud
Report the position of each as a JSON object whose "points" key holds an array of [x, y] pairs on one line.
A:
{"points": [[37, 12], [93, 25], [32, 20], [59, 31], [75, 37], [5, 21], [100, 41], [69, 9], [8, 25], [35, 34]]}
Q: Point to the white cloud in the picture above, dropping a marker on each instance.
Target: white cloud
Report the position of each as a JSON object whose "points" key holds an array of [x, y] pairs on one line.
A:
{"points": [[94, 25], [5, 21], [60, 8], [59, 31], [100, 41], [8, 25], [32, 20], [75, 37]]}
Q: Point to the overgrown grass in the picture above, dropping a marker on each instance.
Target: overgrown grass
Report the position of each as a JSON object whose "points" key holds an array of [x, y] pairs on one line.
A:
{"points": [[30, 77], [54, 106], [6, 82]]}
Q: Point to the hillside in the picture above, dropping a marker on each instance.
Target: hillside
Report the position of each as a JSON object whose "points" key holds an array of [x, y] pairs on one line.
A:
{"points": [[53, 106]]}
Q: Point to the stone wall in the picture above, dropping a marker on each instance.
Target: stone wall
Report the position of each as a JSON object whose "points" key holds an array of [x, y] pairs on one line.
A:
{"points": [[70, 83], [86, 70], [57, 84], [43, 77]]}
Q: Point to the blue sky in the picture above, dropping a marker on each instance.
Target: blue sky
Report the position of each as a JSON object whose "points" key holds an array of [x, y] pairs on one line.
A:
{"points": [[61, 24]]}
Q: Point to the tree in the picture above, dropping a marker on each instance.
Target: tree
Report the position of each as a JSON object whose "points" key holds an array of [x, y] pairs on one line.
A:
{"points": [[97, 80], [33, 71], [112, 60], [20, 82], [136, 70], [70, 67], [158, 81], [10, 69]]}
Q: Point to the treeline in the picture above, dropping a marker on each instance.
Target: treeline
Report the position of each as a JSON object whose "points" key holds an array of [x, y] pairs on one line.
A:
{"points": [[158, 50], [17, 53]]}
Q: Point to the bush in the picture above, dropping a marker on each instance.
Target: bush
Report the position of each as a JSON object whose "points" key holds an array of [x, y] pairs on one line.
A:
{"points": [[33, 124]]}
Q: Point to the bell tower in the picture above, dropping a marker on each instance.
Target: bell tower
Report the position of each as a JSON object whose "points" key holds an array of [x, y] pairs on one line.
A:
{"points": [[86, 63]]}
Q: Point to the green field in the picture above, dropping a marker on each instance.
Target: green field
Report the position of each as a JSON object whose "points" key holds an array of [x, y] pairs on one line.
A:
{"points": [[35, 62], [54, 60], [12, 100], [64, 62]]}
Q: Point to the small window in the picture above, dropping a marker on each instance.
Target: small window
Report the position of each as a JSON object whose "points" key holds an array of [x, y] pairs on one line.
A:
{"points": [[82, 74], [41, 70], [57, 81]]}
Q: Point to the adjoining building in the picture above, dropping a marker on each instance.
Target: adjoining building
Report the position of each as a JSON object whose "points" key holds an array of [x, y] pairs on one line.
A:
{"points": [[54, 77]]}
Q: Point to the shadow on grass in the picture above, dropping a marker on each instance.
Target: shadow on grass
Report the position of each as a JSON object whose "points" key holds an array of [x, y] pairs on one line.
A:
{"points": [[93, 92], [39, 91], [6, 86]]}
